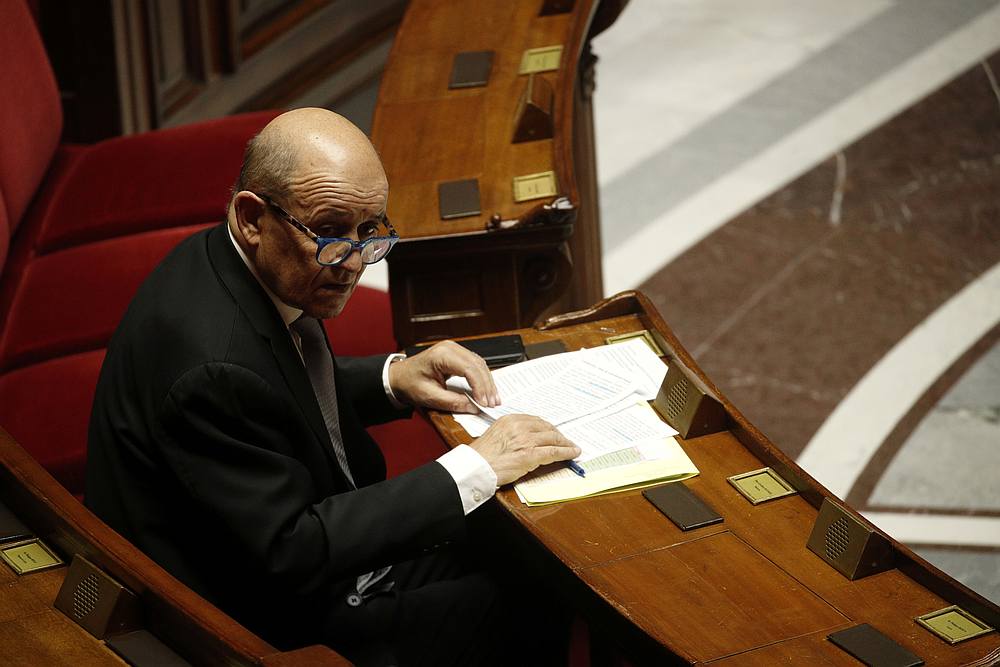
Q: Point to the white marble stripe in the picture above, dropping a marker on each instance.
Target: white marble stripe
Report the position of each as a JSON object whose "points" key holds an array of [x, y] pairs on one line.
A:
{"points": [[938, 528], [841, 448], [644, 253], [666, 67]]}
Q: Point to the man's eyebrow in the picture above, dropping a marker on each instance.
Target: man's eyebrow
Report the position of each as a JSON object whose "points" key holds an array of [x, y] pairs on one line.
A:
{"points": [[339, 225]]}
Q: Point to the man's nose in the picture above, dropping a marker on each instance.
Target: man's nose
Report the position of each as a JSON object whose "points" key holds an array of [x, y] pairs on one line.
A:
{"points": [[353, 262]]}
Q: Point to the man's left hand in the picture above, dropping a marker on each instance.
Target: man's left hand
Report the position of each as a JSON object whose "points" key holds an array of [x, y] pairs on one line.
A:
{"points": [[420, 380]]}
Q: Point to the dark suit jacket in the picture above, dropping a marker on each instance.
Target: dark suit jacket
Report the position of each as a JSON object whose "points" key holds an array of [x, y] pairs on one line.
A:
{"points": [[208, 451]]}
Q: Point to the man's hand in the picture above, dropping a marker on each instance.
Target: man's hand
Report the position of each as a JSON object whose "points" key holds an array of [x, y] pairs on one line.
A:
{"points": [[517, 444], [419, 380]]}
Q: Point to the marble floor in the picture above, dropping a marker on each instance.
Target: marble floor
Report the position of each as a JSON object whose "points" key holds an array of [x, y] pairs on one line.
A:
{"points": [[810, 192]]}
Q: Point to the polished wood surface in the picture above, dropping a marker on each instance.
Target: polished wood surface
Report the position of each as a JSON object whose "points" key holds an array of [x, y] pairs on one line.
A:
{"points": [[746, 591], [33, 632], [515, 260]]}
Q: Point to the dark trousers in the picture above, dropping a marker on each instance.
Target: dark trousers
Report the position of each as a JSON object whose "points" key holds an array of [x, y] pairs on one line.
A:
{"points": [[478, 602]]}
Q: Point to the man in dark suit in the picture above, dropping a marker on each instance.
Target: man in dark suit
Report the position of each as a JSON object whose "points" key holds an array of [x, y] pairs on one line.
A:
{"points": [[228, 444]]}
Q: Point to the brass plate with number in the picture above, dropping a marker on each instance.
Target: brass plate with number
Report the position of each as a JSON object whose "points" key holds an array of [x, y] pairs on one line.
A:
{"points": [[541, 59], [953, 624], [29, 556], [642, 333], [535, 186], [759, 486]]}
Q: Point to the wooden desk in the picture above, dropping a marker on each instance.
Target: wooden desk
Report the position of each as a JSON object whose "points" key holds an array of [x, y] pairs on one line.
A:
{"points": [[513, 261], [33, 632], [743, 592]]}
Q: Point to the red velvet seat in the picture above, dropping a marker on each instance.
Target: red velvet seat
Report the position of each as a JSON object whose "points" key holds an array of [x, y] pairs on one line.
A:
{"points": [[81, 227], [178, 176], [46, 407], [86, 287]]}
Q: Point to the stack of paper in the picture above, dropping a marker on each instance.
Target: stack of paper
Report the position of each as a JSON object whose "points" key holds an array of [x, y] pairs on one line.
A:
{"points": [[596, 398]]}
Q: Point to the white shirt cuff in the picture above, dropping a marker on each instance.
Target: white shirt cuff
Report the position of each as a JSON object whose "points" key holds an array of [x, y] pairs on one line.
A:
{"points": [[473, 476], [385, 380]]}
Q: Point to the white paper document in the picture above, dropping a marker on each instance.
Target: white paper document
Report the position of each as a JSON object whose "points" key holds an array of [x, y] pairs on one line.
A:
{"points": [[635, 360], [654, 462], [580, 388], [597, 399], [562, 387], [621, 425]]}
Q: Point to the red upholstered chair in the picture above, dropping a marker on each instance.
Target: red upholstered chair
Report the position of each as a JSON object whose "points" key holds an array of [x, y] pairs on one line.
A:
{"points": [[81, 227]]}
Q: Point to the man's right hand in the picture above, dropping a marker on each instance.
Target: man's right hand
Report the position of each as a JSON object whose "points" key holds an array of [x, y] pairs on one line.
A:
{"points": [[517, 444]]}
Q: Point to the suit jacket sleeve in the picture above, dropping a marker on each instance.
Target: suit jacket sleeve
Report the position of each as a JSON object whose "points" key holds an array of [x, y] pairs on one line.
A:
{"points": [[360, 378], [230, 440]]}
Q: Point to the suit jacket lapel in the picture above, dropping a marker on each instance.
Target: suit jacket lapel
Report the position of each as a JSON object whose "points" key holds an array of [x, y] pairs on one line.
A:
{"points": [[266, 320]]}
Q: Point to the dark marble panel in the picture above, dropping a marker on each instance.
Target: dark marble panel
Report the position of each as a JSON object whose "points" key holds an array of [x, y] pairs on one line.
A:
{"points": [[793, 301]]}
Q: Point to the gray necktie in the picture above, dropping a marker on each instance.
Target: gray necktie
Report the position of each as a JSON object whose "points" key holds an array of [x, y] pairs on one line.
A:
{"points": [[319, 366]]}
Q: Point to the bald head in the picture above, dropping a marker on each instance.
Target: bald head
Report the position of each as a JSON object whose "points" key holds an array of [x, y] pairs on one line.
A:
{"points": [[305, 138]]}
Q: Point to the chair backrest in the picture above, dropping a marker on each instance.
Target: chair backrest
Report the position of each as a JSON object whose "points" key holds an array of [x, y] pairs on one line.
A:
{"points": [[30, 114]]}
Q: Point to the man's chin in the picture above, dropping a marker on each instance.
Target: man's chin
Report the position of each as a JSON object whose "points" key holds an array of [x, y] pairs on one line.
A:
{"points": [[329, 303]]}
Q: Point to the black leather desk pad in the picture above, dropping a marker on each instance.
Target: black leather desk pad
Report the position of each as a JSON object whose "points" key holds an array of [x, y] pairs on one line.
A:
{"points": [[497, 351], [471, 69], [458, 199], [682, 506], [873, 648], [11, 528], [544, 349], [143, 649]]}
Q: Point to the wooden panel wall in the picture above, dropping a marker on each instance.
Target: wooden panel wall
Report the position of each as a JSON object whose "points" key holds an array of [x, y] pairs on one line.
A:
{"points": [[127, 66]]}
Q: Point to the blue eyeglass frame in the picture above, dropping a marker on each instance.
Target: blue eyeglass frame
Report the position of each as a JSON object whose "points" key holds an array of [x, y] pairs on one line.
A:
{"points": [[323, 241]]}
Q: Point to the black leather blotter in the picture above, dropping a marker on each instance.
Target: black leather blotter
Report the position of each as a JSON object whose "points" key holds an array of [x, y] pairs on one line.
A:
{"points": [[471, 69], [496, 351], [682, 506], [873, 648], [142, 649], [544, 349], [458, 199], [550, 7], [11, 527]]}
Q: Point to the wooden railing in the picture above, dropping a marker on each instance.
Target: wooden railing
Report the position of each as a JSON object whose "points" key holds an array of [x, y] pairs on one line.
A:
{"points": [[180, 618]]}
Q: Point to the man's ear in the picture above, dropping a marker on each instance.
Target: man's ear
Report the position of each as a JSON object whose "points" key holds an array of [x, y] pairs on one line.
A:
{"points": [[249, 210]]}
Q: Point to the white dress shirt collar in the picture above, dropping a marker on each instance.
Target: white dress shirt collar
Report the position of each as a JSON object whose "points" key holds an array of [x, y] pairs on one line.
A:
{"points": [[288, 313]]}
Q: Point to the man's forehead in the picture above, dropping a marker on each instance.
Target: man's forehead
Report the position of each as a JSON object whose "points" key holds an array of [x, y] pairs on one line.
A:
{"points": [[335, 189], [328, 208]]}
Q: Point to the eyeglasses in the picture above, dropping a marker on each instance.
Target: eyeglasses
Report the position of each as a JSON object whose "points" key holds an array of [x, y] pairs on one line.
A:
{"points": [[332, 250]]}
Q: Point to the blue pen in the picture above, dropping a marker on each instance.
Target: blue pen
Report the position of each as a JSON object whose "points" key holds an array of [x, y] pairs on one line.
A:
{"points": [[577, 468]]}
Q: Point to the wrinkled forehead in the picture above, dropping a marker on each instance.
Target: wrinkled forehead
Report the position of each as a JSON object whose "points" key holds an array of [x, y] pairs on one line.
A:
{"points": [[339, 183]]}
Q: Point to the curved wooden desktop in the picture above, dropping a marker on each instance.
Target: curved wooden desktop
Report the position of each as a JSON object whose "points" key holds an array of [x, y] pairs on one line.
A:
{"points": [[33, 632], [743, 592], [505, 265]]}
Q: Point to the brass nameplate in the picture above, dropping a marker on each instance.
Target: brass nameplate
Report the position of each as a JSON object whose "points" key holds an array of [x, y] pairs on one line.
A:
{"points": [[762, 485], [29, 556], [535, 186], [953, 624], [541, 59], [642, 333]]}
